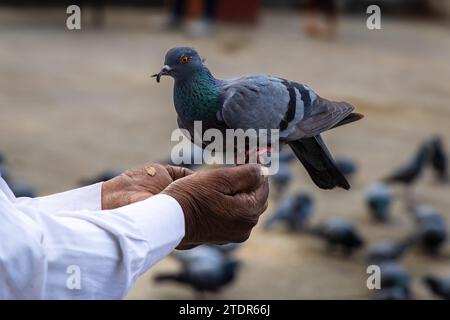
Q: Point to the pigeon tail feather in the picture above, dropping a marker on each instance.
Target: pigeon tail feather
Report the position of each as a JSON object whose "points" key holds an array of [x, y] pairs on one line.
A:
{"points": [[319, 163]]}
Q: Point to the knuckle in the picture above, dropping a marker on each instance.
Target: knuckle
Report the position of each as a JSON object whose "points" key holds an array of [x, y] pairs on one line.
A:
{"points": [[243, 237]]}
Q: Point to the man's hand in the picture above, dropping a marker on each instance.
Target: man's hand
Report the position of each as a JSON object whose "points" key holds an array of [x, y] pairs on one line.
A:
{"points": [[220, 205], [139, 184]]}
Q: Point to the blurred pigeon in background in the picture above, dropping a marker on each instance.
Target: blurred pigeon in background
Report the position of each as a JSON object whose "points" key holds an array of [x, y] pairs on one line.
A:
{"points": [[409, 172], [379, 201], [395, 276], [294, 211], [102, 176], [4, 170], [431, 228], [20, 189], [439, 286], [439, 159], [282, 178], [387, 251], [204, 268], [347, 166], [228, 248], [259, 102], [338, 233], [285, 155]]}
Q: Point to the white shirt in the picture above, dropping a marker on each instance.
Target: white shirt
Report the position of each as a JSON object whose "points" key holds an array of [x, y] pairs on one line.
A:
{"points": [[64, 247]]}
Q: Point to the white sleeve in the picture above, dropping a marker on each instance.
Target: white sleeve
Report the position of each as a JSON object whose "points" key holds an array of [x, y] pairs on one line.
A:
{"points": [[85, 198], [83, 254]]}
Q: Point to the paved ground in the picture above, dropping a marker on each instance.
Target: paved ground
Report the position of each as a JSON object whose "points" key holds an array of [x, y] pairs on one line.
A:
{"points": [[74, 103]]}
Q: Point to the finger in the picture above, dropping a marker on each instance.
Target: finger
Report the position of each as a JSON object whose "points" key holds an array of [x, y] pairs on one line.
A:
{"points": [[261, 196], [178, 172], [255, 201], [244, 178]]}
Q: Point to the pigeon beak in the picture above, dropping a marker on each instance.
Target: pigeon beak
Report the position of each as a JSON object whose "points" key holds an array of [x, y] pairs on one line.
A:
{"points": [[164, 72]]}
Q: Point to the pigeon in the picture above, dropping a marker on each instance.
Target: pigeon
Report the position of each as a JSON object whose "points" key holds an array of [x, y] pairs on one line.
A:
{"points": [[394, 276], [379, 201], [387, 251], [431, 228], [338, 233], [282, 178], [294, 211], [258, 102], [228, 248], [4, 169], [204, 268], [347, 166], [102, 176], [439, 286], [21, 189], [439, 159], [408, 173]]}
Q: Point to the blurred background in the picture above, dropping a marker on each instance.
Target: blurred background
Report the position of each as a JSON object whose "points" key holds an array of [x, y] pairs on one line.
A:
{"points": [[78, 106]]}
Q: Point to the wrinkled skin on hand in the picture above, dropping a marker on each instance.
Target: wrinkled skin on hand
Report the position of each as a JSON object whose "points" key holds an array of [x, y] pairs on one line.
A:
{"points": [[220, 205], [137, 184]]}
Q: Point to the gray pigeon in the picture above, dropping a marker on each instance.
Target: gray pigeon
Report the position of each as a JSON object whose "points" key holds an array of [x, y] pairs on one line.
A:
{"points": [[387, 251], [412, 170], [379, 201], [431, 228], [338, 233], [394, 276], [282, 178], [347, 166], [21, 189], [294, 211], [205, 268], [439, 159], [439, 286], [4, 169], [259, 102]]}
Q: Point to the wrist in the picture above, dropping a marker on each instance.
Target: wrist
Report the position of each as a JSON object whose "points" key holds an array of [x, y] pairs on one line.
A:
{"points": [[112, 196], [189, 213]]}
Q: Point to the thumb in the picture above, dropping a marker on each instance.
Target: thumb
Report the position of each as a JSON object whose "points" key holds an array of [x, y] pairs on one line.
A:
{"points": [[244, 178], [178, 172]]}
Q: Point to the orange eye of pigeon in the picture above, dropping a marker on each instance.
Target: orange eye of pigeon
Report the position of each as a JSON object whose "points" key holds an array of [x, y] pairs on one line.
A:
{"points": [[184, 59]]}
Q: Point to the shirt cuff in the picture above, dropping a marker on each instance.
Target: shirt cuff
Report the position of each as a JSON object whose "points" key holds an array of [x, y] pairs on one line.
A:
{"points": [[160, 220], [161, 208]]}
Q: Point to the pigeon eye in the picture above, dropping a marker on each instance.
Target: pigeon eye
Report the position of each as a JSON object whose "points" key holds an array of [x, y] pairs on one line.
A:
{"points": [[184, 59]]}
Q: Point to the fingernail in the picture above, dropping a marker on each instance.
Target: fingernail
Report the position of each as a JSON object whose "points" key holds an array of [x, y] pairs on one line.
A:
{"points": [[264, 171]]}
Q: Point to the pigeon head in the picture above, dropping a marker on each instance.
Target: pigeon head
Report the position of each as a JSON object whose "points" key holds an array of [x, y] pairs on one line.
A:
{"points": [[179, 63]]}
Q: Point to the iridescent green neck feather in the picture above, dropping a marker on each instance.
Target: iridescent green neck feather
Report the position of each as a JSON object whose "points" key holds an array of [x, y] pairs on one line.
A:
{"points": [[197, 96]]}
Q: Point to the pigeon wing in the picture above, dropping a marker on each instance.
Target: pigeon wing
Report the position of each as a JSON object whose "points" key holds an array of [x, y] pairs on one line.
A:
{"points": [[265, 102], [259, 102]]}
